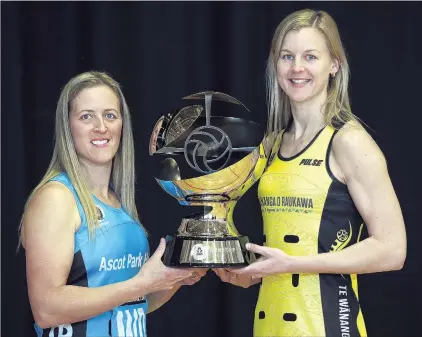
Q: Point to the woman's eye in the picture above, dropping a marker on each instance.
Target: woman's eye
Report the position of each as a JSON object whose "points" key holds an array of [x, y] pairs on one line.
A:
{"points": [[86, 117], [111, 116], [310, 57], [287, 57]]}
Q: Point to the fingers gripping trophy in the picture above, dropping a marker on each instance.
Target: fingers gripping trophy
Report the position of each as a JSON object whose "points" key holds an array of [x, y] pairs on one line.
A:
{"points": [[222, 157]]}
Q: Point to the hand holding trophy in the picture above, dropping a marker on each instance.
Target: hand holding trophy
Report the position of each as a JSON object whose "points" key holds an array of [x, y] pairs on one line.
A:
{"points": [[208, 145]]}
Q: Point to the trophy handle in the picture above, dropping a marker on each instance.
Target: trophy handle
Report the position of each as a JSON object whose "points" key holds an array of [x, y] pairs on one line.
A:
{"points": [[208, 96], [218, 96]]}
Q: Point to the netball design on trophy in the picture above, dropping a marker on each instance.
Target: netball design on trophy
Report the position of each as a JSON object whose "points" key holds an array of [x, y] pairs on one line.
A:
{"points": [[207, 162]]}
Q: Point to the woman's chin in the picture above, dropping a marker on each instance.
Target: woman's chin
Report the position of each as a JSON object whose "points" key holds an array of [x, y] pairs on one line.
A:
{"points": [[299, 98]]}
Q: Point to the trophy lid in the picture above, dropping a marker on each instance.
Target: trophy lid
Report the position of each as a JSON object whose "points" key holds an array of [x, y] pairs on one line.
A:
{"points": [[209, 143]]}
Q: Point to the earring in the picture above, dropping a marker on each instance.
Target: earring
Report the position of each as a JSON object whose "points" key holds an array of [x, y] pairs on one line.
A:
{"points": [[333, 75]]}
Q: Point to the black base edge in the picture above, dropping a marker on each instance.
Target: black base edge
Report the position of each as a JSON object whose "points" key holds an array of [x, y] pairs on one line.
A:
{"points": [[172, 252]]}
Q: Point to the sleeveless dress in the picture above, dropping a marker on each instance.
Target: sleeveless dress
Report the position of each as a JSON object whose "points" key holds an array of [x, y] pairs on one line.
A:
{"points": [[116, 253], [307, 211]]}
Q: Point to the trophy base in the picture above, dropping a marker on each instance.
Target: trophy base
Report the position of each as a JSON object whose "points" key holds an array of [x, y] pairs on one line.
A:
{"points": [[206, 252]]}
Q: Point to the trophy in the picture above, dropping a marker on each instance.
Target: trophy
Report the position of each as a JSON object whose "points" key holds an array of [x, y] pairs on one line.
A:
{"points": [[223, 158]]}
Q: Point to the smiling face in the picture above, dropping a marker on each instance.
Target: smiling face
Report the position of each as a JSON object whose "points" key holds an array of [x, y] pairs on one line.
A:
{"points": [[304, 65], [96, 124]]}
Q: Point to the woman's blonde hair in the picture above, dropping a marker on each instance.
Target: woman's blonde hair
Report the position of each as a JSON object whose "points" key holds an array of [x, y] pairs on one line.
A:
{"points": [[65, 159], [337, 108]]}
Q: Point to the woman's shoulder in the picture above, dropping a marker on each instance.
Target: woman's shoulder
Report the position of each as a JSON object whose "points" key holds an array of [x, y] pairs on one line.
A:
{"points": [[353, 143], [52, 192], [352, 135], [50, 206]]}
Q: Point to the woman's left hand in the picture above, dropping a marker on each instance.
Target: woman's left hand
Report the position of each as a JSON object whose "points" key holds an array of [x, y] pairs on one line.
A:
{"points": [[272, 261], [197, 274]]}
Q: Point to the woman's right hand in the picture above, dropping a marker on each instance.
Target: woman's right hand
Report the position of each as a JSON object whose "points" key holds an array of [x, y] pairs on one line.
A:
{"points": [[155, 276], [244, 281]]}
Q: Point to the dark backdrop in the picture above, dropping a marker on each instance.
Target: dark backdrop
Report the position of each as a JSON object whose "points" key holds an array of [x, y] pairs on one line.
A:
{"points": [[162, 51]]}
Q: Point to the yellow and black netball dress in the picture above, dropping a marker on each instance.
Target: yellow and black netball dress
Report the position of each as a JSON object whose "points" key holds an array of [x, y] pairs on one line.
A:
{"points": [[307, 211]]}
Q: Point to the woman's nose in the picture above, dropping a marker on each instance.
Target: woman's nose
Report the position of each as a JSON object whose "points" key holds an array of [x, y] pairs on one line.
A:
{"points": [[100, 126], [297, 66]]}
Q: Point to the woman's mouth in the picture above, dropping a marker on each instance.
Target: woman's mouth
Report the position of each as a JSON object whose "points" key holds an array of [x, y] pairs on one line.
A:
{"points": [[100, 142], [299, 82]]}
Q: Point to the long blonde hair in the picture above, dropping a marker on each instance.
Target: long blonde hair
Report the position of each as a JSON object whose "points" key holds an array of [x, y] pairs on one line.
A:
{"points": [[65, 159], [337, 107]]}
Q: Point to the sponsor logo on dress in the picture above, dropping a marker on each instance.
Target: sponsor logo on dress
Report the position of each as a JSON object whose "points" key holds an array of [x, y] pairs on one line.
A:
{"points": [[311, 162], [344, 311], [343, 238], [100, 213], [287, 204], [64, 330], [125, 262]]}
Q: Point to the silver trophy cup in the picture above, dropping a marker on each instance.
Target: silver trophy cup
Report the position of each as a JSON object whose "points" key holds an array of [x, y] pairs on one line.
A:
{"points": [[225, 157]]}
